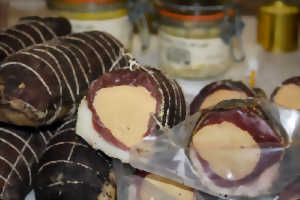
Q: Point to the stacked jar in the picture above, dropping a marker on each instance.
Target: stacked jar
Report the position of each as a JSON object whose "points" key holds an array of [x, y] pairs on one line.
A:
{"points": [[103, 15], [191, 37]]}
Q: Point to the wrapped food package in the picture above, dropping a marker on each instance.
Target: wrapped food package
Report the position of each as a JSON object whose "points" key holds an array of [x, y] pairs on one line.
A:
{"points": [[125, 106], [29, 31], [71, 169], [45, 82], [235, 147]]}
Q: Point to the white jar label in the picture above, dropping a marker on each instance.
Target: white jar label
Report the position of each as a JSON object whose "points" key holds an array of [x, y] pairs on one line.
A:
{"points": [[121, 27], [179, 52]]}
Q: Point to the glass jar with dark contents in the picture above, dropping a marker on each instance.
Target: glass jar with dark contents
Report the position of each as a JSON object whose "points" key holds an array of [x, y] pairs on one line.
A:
{"points": [[194, 37]]}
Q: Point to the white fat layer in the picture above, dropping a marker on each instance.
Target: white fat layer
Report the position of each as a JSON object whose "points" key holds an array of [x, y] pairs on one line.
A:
{"points": [[260, 186], [85, 129]]}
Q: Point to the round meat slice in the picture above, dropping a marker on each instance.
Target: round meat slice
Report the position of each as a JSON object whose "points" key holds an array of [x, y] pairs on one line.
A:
{"points": [[125, 106], [216, 92], [163, 186], [236, 147], [71, 170], [288, 94]]}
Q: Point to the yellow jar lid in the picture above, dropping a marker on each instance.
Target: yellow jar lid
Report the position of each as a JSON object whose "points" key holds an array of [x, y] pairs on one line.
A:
{"points": [[279, 8], [94, 15]]}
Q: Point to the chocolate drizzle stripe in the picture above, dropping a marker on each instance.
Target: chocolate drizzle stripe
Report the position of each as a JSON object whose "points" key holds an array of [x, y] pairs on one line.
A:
{"points": [[64, 143], [71, 152], [14, 38], [44, 139], [22, 140], [47, 164], [88, 45], [24, 34], [36, 56], [112, 38], [110, 46], [46, 27], [31, 70], [60, 70], [7, 46], [71, 66], [78, 62], [55, 48], [37, 30], [103, 48], [167, 114], [85, 58], [4, 50], [12, 166], [61, 128], [20, 155], [60, 183]]}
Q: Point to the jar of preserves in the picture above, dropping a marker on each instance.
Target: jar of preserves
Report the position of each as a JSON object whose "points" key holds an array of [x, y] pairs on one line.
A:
{"points": [[103, 15], [195, 37]]}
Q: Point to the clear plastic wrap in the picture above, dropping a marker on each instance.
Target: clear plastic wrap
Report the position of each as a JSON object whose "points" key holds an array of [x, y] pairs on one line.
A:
{"points": [[168, 155], [133, 185]]}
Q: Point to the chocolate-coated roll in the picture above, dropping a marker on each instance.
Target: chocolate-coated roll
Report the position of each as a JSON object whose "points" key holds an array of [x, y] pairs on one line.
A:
{"points": [[46, 82], [29, 31], [71, 169], [20, 152]]}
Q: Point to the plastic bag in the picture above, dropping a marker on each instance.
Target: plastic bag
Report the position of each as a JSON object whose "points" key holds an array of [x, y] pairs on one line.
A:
{"points": [[133, 184], [168, 155]]}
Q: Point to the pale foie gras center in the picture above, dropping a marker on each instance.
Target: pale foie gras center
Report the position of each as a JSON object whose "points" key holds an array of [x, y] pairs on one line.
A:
{"points": [[288, 96], [164, 186], [221, 95], [231, 152], [125, 111]]}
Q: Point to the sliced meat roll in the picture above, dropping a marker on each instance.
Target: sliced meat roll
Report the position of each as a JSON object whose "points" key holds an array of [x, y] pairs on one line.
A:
{"points": [[124, 106], [288, 94], [20, 152], [46, 82], [70, 169], [235, 147], [31, 30], [216, 92]]}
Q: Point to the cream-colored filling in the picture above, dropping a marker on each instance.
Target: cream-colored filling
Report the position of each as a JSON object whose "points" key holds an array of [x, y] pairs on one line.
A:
{"points": [[125, 111], [164, 186], [231, 152], [221, 95], [288, 96]]}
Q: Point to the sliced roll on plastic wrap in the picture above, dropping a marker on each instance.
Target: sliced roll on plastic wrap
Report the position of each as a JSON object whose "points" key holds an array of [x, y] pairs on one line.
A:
{"points": [[71, 169], [29, 31], [237, 150], [46, 82], [286, 99], [133, 184], [20, 152], [125, 106]]}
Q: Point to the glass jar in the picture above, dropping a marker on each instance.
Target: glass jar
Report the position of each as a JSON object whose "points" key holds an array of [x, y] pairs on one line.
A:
{"points": [[191, 37], [102, 15]]}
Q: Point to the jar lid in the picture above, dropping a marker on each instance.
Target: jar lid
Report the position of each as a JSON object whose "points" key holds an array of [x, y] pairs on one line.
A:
{"points": [[194, 10], [279, 8]]}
